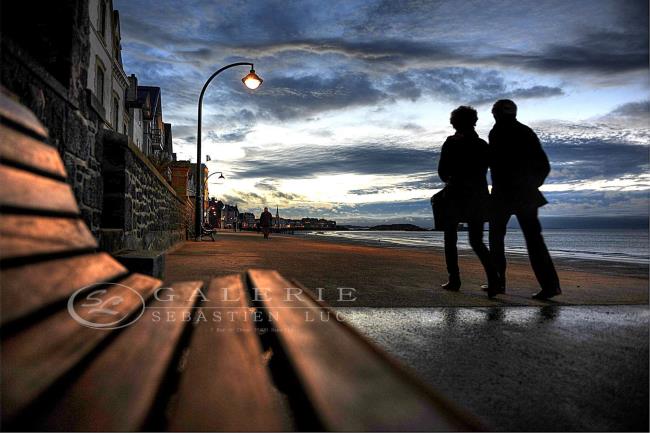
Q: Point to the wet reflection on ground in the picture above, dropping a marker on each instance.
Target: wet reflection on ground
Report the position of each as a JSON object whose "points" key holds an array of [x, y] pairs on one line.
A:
{"points": [[526, 368]]}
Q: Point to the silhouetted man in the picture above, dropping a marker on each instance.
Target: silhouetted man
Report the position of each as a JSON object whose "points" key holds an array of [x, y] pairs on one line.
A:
{"points": [[265, 222], [463, 167], [519, 167]]}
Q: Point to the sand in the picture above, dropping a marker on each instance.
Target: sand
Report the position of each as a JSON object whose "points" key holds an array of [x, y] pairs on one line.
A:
{"points": [[398, 277]]}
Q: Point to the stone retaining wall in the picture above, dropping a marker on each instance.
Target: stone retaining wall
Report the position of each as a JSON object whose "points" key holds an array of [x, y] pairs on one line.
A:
{"points": [[72, 125], [141, 211]]}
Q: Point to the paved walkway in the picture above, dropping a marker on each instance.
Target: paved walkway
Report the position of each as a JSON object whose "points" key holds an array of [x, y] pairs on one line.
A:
{"points": [[518, 364]]}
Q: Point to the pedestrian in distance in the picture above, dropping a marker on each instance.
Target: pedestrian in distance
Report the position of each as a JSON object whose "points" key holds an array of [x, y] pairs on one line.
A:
{"points": [[265, 222], [519, 166], [463, 167]]}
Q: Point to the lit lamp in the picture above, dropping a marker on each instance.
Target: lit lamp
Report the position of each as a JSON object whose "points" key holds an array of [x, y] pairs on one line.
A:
{"points": [[251, 81]]}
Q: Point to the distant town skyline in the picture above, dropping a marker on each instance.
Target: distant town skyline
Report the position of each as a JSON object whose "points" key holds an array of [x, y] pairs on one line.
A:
{"points": [[356, 99]]}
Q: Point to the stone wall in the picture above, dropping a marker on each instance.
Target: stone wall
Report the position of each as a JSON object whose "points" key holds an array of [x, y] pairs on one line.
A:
{"points": [[141, 211], [64, 110]]}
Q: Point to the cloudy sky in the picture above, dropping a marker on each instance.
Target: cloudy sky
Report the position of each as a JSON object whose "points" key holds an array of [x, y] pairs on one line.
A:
{"points": [[356, 96]]}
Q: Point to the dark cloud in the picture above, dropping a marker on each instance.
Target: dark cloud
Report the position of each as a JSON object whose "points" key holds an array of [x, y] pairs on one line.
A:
{"points": [[630, 116], [410, 126], [405, 33], [603, 52], [260, 198], [426, 184], [307, 162], [266, 185], [596, 203], [573, 160], [475, 86], [233, 127], [577, 160], [641, 108], [300, 97]]}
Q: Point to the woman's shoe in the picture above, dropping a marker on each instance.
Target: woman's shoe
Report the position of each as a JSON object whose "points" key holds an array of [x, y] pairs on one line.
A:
{"points": [[453, 285]]}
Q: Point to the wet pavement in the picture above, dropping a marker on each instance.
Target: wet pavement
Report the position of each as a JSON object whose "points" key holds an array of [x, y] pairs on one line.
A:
{"points": [[549, 368]]}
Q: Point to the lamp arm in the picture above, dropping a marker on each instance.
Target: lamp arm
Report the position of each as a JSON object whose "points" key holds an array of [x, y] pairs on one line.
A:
{"points": [[198, 211]]}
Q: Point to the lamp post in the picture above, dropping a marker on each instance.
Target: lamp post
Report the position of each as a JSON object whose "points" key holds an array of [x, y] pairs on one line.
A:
{"points": [[252, 81]]}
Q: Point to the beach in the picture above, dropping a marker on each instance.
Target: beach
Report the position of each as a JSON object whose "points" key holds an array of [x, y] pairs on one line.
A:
{"points": [[399, 276]]}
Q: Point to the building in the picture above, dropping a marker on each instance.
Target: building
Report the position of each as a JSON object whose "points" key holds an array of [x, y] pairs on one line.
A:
{"points": [[183, 180], [136, 116], [153, 128], [107, 81], [247, 220], [215, 208], [168, 148], [229, 216], [308, 224], [146, 127]]}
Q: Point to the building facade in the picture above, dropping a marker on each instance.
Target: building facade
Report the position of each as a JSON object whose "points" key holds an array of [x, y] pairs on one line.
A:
{"points": [[229, 216], [107, 81], [246, 220]]}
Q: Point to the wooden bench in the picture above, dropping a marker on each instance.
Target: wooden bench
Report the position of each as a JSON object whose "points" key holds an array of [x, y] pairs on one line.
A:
{"points": [[205, 231], [88, 346]]}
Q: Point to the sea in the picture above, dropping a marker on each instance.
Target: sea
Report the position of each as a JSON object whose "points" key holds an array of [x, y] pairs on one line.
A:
{"points": [[607, 245]]}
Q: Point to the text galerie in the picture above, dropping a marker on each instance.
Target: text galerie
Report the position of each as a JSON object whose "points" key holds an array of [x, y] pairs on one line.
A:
{"points": [[230, 306]]}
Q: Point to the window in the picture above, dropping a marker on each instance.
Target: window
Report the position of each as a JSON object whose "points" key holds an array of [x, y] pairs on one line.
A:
{"points": [[102, 19], [99, 84], [116, 114]]}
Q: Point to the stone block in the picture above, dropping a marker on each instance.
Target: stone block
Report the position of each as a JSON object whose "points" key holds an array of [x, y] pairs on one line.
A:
{"points": [[144, 262]]}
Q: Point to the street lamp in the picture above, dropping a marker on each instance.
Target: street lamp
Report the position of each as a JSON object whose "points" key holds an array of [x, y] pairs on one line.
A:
{"points": [[252, 81], [221, 177]]}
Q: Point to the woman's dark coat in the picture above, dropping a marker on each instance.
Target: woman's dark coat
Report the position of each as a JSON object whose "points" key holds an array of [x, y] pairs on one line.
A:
{"points": [[463, 167]]}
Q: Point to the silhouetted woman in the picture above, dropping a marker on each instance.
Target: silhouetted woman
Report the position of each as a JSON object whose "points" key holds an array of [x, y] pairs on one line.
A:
{"points": [[463, 167]]}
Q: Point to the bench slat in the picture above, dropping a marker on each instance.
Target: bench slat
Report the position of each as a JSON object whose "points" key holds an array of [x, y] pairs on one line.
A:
{"points": [[33, 359], [25, 190], [21, 115], [30, 287], [225, 386], [28, 235], [351, 386], [128, 374], [23, 149]]}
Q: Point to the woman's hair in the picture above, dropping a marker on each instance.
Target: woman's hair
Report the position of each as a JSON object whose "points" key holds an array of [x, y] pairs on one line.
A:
{"points": [[463, 117]]}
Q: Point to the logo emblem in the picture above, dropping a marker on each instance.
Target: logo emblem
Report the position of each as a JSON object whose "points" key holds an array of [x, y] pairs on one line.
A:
{"points": [[106, 307]]}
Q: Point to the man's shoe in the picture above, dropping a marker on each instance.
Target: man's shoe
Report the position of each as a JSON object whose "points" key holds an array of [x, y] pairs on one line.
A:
{"points": [[493, 291], [501, 283], [547, 294], [453, 285], [485, 287]]}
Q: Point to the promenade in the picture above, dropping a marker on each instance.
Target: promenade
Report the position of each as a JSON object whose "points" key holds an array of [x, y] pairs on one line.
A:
{"points": [[398, 277], [579, 362]]}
